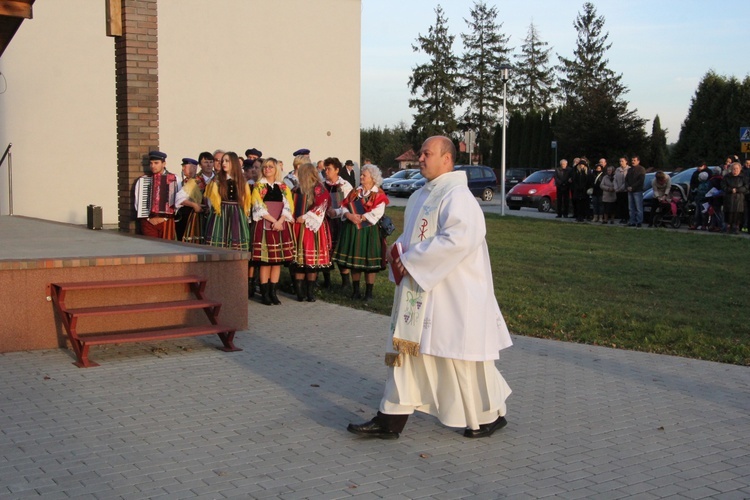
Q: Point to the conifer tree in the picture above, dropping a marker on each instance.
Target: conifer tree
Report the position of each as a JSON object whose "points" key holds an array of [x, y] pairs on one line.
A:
{"points": [[383, 146], [485, 49], [534, 79], [658, 152], [434, 84], [594, 119], [710, 132]]}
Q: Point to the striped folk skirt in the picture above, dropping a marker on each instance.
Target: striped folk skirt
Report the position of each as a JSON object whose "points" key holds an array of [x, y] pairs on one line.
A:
{"points": [[228, 229], [194, 228], [360, 249], [313, 248], [272, 247]]}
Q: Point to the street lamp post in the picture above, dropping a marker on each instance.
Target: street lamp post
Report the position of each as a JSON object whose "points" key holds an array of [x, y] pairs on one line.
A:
{"points": [[504, 76]]}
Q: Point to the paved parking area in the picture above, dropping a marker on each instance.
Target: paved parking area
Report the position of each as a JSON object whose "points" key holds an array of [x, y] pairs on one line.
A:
{"points": [[181, 419]]}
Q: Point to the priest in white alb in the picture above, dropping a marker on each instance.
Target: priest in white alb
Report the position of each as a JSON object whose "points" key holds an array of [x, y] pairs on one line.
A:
{"points": [[446, 326]]}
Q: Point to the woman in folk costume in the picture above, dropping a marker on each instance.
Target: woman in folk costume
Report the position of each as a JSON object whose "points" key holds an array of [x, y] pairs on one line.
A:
{"points": [[190, 198], [361, 248], [273, 239], [301, 156], [251, 169], [339, 188], [228, 197], [311, 200]]}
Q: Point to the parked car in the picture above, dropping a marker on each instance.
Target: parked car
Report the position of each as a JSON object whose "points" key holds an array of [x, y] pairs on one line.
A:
{"points": [[648, 180], [515, 175], [418, 184], [404, 187], [535, 191], [482, 180], [398, 176]]}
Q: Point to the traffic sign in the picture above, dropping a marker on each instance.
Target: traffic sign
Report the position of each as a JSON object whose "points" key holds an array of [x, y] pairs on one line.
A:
{"points": [[744, 134], [746, 147]]}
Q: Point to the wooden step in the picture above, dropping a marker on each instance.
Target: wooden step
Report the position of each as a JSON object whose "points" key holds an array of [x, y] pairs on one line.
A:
{"points": [[161, 334], [138, 308], [88, 285]]}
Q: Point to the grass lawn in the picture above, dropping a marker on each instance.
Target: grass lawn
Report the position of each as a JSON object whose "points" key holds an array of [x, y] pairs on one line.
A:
{"points": [[659, 291]]}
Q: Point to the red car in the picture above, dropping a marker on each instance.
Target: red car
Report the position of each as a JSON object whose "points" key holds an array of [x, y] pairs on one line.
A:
{"points": [[535, 191]]}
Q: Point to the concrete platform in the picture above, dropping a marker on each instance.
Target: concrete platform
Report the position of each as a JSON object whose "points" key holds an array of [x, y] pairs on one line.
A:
{"points": [[35, 253], [182, 420]]}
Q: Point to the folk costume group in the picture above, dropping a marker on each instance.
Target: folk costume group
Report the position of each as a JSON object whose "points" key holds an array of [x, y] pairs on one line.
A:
{"points": [[305, 224]]}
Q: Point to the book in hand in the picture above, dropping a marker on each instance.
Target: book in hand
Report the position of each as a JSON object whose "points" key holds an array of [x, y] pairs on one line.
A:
{"points": [[274, 210], [396, 251], [357, 208]]}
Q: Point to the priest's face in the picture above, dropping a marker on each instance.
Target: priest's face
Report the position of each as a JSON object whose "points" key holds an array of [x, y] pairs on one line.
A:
{"points": [[433, 161]]}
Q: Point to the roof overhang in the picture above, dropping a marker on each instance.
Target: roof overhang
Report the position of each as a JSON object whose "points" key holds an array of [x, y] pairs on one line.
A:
{"points": [[12, 14]]}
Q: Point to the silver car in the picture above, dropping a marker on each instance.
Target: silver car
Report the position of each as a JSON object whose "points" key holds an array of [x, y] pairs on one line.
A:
{"points": [[399, 176], [405, 187]]}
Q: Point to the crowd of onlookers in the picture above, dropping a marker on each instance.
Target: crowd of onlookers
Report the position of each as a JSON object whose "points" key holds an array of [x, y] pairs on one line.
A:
{"points": [[717, 198], [315, 217]]}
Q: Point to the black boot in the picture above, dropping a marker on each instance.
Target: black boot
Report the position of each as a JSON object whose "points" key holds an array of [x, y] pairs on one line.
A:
{"points": [[368, 292], [310, 291], [272, 293], [346, 281], [326, 279], [250, 288], [355, 290], [265, 293], [298, 290], [292, 274]]}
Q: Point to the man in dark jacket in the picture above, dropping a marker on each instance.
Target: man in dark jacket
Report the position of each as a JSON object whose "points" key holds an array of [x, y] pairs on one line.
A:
{"points": [[634, 181], [562, 183], [348, 174]]}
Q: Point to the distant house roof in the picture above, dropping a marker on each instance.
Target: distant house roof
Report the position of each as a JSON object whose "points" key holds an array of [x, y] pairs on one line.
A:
{"points": [[408, 156]]}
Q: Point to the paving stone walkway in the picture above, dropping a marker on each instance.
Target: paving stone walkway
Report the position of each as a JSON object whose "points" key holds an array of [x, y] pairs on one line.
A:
{"points": [[181, 419]]}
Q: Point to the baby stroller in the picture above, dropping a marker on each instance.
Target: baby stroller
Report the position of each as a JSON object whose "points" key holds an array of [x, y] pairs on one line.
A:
{"points": [[674, 212]]}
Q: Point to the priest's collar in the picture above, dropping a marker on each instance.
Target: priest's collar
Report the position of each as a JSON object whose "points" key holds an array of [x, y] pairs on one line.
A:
{"points": [[446, 177]]}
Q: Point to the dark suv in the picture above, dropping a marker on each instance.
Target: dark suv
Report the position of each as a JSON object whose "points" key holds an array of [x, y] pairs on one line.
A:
{"points": [[515, 175], [482, 180]]}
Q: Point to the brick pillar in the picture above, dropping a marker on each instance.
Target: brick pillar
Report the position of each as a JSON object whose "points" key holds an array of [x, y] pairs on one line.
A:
{"points": [[137, 88]]}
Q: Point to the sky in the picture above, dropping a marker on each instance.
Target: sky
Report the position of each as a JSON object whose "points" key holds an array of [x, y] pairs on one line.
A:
{"points": [[662, 48]]}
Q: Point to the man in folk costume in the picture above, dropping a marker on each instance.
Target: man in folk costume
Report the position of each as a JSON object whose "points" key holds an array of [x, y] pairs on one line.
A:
{"points": [[160, 220], [189, 205], [446, 326], [206, 163]]}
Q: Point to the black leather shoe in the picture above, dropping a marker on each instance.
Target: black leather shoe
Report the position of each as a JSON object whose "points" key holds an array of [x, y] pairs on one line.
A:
{"points": [[486, 430], [374, 428]]}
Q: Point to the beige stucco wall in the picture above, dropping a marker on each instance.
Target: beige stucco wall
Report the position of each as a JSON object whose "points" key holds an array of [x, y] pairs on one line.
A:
{"points": [[277, 75], [58, 111]]}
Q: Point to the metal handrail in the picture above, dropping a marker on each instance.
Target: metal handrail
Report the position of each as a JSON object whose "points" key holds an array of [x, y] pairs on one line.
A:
{"points": [[7, 150], [10, 176]]}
